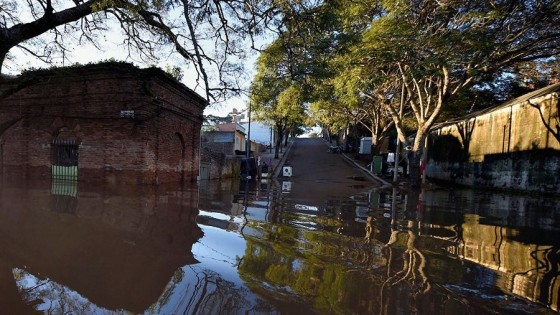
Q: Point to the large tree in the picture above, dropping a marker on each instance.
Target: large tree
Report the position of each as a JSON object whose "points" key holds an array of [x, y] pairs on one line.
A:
{"points": [[348, 102], [275, 97], [210, 35], [420, 55], [286, 69], [436, 49]]}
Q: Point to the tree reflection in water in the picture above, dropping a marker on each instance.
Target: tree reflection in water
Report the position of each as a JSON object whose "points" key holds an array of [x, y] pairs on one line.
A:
{"points": [[263, 252], [316, 257], [412, 273]]}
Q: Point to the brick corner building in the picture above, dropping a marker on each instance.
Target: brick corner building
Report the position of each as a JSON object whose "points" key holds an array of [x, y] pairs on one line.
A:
{"points": [[104, 123]]}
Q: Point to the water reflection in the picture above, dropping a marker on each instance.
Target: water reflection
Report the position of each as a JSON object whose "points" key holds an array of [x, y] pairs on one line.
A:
{"points": [[511, 243], [230, 248], [396, 253], [109, 248]]}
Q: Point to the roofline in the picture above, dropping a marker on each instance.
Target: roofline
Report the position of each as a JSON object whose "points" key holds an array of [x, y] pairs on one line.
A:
{"points": [[116, 66], [518, 100]]}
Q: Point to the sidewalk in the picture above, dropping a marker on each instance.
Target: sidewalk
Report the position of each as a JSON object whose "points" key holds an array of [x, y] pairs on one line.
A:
{"points": [[362, 166], [386, 180], [365, 170]]}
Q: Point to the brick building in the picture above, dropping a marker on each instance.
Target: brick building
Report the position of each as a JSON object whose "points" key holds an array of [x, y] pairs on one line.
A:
{"points": [[109, 122]]}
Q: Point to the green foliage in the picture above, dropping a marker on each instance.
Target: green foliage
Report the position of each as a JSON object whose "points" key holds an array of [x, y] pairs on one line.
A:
{"points": [[132, 6], [373, 58], [175, 72], [275, 97], [63, 69], [314, 265]]}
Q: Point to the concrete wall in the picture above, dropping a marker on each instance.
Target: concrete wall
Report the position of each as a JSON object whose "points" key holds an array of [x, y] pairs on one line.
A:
{"points": [[216, 165], [219, 142], [160, 143], [515, 146]]}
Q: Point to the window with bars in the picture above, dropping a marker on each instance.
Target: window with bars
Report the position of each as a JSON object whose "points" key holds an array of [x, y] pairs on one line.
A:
{"points": [[65, 159]]}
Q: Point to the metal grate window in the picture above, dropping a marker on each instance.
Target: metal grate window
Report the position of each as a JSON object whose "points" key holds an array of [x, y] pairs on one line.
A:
{"points": [[65, 159]]}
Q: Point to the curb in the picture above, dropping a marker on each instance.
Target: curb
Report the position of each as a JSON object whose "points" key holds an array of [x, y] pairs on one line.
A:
{"points": [[281, 161], [367, 172]]}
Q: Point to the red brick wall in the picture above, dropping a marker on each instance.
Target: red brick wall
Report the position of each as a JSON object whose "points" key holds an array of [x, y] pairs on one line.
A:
{"points": [[160, 144]]}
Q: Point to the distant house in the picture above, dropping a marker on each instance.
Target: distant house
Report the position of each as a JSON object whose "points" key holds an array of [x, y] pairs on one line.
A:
{"points": [[223, 150], [224, 144], [219, 158], [512, 146], [110, 122], [238, 134], [221, 142]]}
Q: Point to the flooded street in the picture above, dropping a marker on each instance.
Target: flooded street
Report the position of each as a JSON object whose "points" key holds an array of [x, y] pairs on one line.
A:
{"points": [[268, 248]]}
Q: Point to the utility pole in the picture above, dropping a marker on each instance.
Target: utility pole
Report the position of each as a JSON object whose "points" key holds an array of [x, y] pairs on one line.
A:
{"points": [[248, 149]]}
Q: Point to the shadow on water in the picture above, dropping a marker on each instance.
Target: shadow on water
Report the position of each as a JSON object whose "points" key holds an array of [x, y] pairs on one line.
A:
{"points": [[266, 248]]}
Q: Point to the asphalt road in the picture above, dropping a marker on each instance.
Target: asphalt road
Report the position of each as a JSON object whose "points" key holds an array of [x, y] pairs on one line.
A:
{"points": [[319, 175]]}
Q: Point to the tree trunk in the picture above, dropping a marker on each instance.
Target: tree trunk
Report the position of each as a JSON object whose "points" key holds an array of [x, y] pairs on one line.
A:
{"points": [[374, 143], [416, 171], [3, 54], [414, 177], [277, 147], [278, 140]]}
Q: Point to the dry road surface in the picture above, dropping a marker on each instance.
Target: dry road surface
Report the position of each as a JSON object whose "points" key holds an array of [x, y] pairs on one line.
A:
{"points": [[321, 175]]}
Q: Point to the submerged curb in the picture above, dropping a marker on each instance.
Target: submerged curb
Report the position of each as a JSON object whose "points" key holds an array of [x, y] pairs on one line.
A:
{"points": [[367, 172], [278, 166]]}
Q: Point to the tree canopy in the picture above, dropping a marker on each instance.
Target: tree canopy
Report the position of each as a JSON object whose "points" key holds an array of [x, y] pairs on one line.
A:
{"points": [[435, 50], [379, 63], [421, 56], [275, 97], [211, 36]]}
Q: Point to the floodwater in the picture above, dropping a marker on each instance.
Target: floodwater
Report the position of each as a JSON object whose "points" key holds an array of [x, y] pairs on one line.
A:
{"points": [[237, 248]]}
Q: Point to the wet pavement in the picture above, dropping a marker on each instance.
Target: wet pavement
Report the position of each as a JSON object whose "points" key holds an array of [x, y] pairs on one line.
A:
{"points": [[318, 174], [313, 243]]}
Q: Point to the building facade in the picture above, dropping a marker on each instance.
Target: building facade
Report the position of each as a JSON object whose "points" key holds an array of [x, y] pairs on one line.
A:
{"points": [[514, 146], [238, 135], [110, 122]]}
